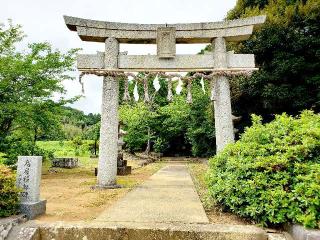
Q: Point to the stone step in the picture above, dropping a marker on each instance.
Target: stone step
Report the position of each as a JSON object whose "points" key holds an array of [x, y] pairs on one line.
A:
{"points": [[279, 236], [24, 232], [145, 231], [9, 223], [14, 233]]}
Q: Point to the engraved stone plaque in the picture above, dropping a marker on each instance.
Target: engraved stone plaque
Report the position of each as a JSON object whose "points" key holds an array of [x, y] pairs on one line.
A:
{"points": [[166, 42], [28, 177]]}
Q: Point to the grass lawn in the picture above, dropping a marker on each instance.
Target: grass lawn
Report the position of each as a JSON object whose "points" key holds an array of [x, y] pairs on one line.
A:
{"points": [[213, 211], [66, 148]]}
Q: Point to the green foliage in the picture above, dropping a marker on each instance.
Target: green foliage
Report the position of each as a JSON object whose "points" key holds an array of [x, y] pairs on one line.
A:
{"points": [[75, 121], [272, 174], [77, 144], [28, 81], [173, 127], [2, 158], [136, 118], [20, 147], [287, 53], [93, 133], [9, 193], [200, 128], [65, 148]]}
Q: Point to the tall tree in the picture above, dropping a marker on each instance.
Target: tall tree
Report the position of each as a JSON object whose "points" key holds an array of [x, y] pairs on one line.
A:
{"points": [[28, 81], [287, 50]]}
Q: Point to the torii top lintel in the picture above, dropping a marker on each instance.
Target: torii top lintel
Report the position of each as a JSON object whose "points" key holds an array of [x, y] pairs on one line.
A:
{"points": [[99, 31]]}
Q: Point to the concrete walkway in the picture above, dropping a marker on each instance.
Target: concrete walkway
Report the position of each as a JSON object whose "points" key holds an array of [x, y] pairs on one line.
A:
{"points": [[168, 196]]}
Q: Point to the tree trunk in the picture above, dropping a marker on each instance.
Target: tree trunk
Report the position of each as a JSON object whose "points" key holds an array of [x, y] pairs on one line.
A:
{"points": [[147, 151], [95, 147], [35, 138]]}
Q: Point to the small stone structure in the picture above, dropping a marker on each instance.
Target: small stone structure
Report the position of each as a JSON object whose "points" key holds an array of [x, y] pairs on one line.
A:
{"points": [[112, 64], [28, 179], [122, 168], [65, 162], [141, 231]]}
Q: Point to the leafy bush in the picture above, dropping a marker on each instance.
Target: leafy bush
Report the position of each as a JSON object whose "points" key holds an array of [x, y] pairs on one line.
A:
{"points": [[2, 158], [136, 118], [272, 174], [9, 193], [173, 127], [65, 148]]}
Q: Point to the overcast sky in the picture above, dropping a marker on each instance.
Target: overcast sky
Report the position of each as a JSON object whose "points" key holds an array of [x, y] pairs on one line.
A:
{"points": [[42, 21]]}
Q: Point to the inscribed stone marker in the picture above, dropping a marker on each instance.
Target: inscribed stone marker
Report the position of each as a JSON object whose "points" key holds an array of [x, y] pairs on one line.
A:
{"points": [[28, 179]]}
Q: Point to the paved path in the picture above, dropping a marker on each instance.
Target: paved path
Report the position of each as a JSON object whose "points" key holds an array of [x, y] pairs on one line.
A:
{"points": [[168, 196]]}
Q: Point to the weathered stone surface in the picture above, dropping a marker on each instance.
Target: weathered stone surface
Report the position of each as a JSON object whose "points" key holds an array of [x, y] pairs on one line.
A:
{"points": [[65, 162], [6, 224], [33, 209], [92, 30], [99, 35], [222, 99], [123, 171], [276, 236], [147, 231], [298, 232], [28, 177], [166, 42], [111, 53], [108, 147], [147, 62], [91, 60], [29, 233], [73, 22]]}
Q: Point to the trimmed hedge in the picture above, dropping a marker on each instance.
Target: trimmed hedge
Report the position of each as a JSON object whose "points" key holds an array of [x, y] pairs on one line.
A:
{"points": [[9, 193], [272, 174]]}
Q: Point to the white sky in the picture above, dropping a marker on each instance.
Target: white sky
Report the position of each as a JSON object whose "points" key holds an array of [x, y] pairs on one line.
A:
{"points": [[42, 21]]}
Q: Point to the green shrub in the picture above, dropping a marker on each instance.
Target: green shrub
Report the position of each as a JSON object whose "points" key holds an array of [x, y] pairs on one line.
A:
{"points": [[272, 174], [2, 158], [9, 193]]}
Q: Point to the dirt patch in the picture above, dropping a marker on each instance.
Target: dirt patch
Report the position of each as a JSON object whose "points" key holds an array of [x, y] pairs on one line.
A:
{"points": [[70, 198], [214, 212]]}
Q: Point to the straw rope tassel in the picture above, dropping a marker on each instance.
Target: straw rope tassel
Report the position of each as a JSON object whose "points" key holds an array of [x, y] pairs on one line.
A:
{"points": [[80, 81], [212, 89], [146, 90], [126, 94], [170, 95], [189, 94]]}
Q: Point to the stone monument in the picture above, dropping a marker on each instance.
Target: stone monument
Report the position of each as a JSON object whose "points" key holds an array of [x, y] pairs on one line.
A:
{"points": [[28, 179], [111, 63], [122, 165]]}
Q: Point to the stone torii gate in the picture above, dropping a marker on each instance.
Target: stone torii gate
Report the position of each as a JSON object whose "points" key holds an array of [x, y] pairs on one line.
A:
{"points": [[166, 36]]}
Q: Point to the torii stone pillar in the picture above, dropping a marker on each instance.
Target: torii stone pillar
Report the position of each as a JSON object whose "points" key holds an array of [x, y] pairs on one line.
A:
{"points": [[222, 100], [108, 147]]}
